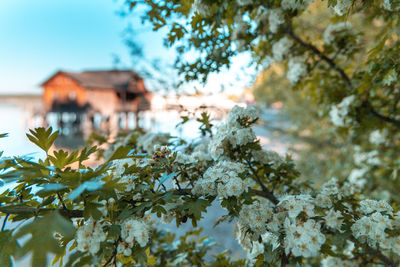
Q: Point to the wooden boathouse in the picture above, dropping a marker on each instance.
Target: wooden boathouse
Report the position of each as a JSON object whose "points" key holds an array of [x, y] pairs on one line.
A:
{"points": [[111, 95]]}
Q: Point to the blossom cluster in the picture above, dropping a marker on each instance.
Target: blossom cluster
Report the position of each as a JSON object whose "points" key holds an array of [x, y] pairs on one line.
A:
{"points": [[297, 68], [339, 112], [294, 216], [234, 132], [222, 179], [89, 236], [133, 230], [372, 227]]}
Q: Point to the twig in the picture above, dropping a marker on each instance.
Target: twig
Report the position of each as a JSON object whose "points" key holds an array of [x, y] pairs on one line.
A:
{"points": [[114, 255], [177, 183], [383, 117], [109, 260], [265, 192], [284, 259], [62, 201], [4, 222]]}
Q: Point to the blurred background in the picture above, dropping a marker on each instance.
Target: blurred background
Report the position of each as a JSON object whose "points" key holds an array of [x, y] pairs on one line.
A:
{"points": [[80, 66]]}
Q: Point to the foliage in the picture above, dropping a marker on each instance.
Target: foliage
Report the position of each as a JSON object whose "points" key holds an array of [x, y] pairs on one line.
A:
{"points": [[109, 213]]}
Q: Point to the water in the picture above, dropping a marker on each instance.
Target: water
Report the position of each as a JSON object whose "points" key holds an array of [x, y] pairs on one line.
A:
{"points": [[12, 121]]}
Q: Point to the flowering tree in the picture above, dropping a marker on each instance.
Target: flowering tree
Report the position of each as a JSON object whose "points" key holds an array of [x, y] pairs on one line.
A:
{"points": [[110, 214]]}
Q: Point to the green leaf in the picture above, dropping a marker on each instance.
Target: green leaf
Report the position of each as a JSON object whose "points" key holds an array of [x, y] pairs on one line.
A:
{"points": [[378, 48], [86, 152], [86, 186], [43, 138], [195, 206], [61, 158], [122, 152], [41, 240], [91, 210], [8, 247]]}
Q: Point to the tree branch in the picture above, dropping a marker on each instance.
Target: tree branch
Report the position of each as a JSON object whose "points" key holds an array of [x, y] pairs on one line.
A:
{"points": [[114, 255], [21, 210], [265, 192], [62, 201], [284, 259], [321, 55], [383, 117], [4, 222]]}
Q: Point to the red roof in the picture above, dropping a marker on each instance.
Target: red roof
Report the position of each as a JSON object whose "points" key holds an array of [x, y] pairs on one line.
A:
{"points": [[117, 80]]}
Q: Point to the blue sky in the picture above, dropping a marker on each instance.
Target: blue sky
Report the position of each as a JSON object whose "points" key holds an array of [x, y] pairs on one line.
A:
{"points": [[40, 37]]}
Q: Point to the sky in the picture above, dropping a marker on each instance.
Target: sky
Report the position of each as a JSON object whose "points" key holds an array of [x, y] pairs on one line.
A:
{"points": [[40, 37]]}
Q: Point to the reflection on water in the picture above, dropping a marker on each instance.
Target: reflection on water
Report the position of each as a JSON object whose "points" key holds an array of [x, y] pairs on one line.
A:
{"points": [[18, 114]]}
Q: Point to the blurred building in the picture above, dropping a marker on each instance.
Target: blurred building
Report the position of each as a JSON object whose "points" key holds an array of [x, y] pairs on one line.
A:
{"points": [[106, 92]]}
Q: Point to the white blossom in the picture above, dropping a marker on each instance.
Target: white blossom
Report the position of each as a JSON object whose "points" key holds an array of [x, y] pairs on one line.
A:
{"points": [[89, 236], [223, 180], [303, 239], [275, 19], [342, 6], [371, 229], [129, 181], [333, 261], [271, 239], [388, 5], [296, 69], [392, 243], [281, 48], [201, 8], [133, 231], [294, 205], [235, 131], [332, 219], [377, 137], [244, 2], [268, 157], [255, 216], [368, 158], [356, 177], [331, 188], [118, 166], [323, 201], [340, 111], [368, 206], [261, 16]]}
